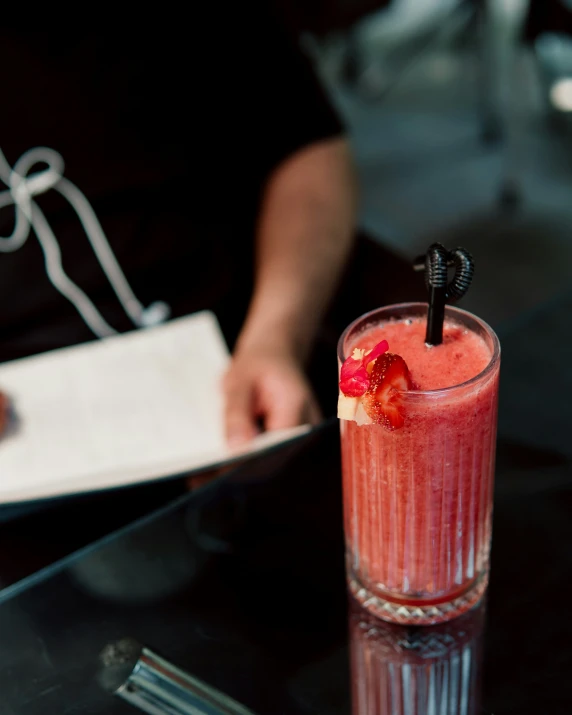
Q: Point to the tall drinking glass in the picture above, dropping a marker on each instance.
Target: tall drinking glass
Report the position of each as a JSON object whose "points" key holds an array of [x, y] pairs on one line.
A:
{"points": [[418, 500]]}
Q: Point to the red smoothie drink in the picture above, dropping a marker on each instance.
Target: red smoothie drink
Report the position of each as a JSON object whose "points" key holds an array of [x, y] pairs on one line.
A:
{"points": [[418, 451]]}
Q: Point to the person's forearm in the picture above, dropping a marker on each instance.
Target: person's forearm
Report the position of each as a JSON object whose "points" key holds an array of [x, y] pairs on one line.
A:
{"points": [[305, 233]]}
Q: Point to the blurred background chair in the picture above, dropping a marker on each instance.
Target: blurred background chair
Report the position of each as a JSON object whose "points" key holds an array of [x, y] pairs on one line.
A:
{"points": [[447, 103], [548, 32], [376, 43]]}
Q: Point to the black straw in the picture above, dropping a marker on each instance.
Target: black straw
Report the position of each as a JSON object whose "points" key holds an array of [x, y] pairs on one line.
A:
{"points": [[435, 263]]}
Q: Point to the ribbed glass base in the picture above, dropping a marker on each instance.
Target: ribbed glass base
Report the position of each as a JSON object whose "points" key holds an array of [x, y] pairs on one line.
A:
{"points": [[414, 613]]}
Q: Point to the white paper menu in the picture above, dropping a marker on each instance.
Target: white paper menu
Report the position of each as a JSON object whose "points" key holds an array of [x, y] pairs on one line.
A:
{"points": [[127, 409]]}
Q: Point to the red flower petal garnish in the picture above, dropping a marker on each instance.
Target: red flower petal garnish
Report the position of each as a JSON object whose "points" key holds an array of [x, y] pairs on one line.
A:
{"points": [[378, 350], [354, 379], [354, 376]]}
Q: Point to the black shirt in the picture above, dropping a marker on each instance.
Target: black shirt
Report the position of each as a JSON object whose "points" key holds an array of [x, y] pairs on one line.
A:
{"points": [[170, 126]]}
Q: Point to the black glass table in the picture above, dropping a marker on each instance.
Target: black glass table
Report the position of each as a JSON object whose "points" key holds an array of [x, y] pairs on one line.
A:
{"points": [[241, 583]]}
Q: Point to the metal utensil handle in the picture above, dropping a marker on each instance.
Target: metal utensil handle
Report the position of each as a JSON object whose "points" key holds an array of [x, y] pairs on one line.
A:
{"points": [[158, 687]]}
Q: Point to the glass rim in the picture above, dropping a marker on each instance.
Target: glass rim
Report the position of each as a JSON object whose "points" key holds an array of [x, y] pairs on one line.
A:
{"points": [[415, 394]]}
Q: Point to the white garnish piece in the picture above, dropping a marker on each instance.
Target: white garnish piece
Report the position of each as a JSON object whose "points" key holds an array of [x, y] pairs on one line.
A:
{"points": [[361, 416], [351, 408], [347, 407]]}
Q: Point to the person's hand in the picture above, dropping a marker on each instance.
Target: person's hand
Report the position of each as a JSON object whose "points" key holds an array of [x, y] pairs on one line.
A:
{"points": [[4, 412], [266, 388]]}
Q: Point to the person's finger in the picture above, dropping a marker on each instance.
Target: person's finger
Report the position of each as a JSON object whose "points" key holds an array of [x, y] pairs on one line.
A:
{"points": [[286, 410], [313, 413], [240, 423], [4, 412]]}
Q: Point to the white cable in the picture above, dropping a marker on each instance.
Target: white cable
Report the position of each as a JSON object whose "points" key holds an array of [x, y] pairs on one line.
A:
{"points": [[23, 187], [101, 248]]}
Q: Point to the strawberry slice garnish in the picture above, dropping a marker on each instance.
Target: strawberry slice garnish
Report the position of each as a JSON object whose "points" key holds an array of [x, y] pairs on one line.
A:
{"points": [[382, 401]]}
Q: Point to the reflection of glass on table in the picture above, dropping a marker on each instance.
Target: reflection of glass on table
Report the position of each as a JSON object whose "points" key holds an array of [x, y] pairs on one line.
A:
{"points": [[410, 670]]}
